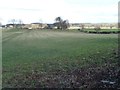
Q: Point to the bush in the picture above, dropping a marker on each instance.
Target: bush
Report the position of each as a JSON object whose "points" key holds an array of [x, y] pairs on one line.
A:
{"points": [[97, 29]]}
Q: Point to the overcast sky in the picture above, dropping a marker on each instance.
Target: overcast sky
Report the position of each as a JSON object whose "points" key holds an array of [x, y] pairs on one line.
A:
{"points": [[45, 11]]}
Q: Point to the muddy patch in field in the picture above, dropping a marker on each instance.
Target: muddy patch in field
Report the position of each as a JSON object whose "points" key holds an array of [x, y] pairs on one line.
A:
{"points": [[88, 77]]}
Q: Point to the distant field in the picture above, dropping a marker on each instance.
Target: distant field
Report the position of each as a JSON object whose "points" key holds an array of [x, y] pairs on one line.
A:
{"points": [[102, 31], [42, 58]]}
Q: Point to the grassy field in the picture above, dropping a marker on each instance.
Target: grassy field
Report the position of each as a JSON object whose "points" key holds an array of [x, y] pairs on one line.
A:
{"points": [[46, 58]]}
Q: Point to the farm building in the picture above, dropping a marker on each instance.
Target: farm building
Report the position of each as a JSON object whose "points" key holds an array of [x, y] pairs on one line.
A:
{"points": [[10, 25], [51, 26], [35, 26]]}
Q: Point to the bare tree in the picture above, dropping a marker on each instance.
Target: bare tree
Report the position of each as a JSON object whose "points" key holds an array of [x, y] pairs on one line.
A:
{"points": [[97, 28], [20, 22], [40, 23], [61, 24], [58, 22], [82, 26], [65, 24], [111, 26], [13, 21], [16, 23]]}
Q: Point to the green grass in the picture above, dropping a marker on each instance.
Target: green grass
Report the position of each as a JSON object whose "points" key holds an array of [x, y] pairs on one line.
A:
{"points": [[26, 51]]}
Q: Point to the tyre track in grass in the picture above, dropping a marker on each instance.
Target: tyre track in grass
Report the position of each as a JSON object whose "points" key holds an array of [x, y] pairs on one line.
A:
{"points": [[10, 36], [35, 35], [5, 36]]}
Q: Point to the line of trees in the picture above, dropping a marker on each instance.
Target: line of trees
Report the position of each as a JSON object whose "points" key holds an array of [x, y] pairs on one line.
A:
{"points": [[16, 22], [59, 23]]}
